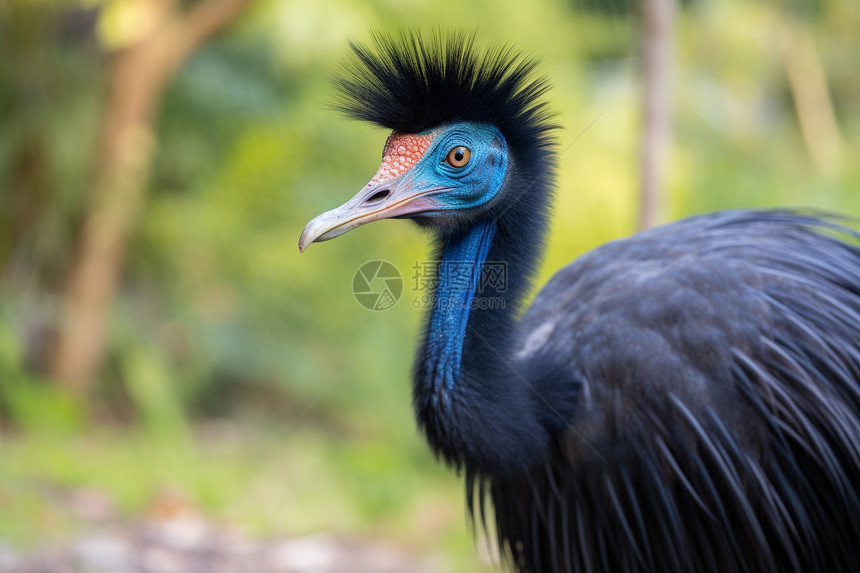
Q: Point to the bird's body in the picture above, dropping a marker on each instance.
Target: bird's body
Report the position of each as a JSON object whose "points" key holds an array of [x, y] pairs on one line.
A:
{"points": [[687, 399], [717, 426]]}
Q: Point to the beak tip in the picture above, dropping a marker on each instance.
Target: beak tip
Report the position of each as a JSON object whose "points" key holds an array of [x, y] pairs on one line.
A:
{"points": [[322, 228], [304, 242]]}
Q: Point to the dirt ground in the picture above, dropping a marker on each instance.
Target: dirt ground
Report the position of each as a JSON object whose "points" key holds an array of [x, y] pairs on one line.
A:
{"points": [[173, 538]]}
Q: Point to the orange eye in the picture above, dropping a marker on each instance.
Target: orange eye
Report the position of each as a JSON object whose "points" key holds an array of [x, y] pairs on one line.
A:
{"points": [[458, 157]]}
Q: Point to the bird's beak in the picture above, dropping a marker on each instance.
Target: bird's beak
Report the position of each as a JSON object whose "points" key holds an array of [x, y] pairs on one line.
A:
{"points": [[395, 197]]}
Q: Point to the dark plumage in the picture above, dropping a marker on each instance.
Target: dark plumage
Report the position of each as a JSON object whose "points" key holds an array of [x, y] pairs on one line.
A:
{"points": [[717, 363], [687, 399], [408, 84]]}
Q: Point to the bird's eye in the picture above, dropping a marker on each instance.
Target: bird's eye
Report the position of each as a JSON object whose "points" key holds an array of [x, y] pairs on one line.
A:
{"points": [[458, 157]]}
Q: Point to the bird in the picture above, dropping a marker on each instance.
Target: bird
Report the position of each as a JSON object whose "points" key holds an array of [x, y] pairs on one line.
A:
{"points": [[686, 399]]}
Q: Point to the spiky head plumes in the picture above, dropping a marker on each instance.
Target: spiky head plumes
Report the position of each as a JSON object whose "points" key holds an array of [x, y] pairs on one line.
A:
{"points": [[414, 84], [410, 84]]}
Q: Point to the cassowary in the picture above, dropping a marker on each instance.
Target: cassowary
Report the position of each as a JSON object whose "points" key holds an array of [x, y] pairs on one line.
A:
{"points": [[684, 400]]}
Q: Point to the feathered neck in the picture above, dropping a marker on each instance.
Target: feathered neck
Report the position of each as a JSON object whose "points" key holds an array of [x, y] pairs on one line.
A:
{"points": [[474, 401]]}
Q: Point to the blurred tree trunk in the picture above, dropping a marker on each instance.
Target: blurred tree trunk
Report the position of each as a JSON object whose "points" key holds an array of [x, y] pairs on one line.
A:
{"points": [[811, 95], [657, 18], [163, 40]]}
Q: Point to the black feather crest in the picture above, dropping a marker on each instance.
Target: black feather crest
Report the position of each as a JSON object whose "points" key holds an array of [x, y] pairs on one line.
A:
{"points": [[409, 84]]}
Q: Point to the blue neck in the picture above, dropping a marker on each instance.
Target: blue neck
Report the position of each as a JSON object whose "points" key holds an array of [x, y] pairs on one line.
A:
{"points": [[471, 396], [458, 280]]}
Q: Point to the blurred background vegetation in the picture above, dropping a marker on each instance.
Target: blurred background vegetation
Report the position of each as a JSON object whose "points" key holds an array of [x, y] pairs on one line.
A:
{"points": [[160, 335]]}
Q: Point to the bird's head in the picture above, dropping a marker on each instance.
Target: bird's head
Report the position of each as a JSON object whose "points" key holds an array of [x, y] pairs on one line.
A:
{"points": [[470, 134], [440, 177]]}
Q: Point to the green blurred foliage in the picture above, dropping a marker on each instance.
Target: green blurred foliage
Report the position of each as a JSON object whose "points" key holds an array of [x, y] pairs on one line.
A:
{"points": [[219, 317]]}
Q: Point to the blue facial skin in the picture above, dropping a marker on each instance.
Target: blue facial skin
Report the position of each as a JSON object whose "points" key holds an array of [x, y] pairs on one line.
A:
{"points": [[463, 259], [471, 185]]}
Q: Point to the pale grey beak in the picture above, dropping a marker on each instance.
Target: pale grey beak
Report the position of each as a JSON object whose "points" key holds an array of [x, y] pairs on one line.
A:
{"points": [[393, 198]]}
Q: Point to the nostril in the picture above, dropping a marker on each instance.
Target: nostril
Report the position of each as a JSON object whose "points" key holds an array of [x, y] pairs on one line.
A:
{"points": [[377, 197]]}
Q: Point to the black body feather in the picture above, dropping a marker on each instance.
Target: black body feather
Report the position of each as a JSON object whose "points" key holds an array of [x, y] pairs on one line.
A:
{"points": [[684, 400], [718, 428]]}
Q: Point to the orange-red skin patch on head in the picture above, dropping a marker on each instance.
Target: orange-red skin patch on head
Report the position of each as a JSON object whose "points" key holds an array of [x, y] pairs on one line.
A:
{"points": [[402, 151]]}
